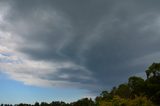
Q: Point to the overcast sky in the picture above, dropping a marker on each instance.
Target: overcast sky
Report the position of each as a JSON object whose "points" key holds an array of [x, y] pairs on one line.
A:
{"points": [[75, 45]]}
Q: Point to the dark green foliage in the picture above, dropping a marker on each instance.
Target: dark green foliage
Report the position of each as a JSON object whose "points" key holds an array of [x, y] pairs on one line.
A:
{"points": [[57, 103], [104, 94], [22, 104], [118, 101], [153, 70], [136, 85], [123, 91], [83, 102], [113, 91], [153, 89], [36, 104]]}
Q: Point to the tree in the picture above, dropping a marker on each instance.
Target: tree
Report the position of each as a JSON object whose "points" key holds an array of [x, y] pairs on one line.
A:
{"points": [[36, 104], [123, 91], [136, 85], [58, 103], [84, 102], [44, 104], [113, 91], [153, 82], [118, 101], [153, 89], [104, 94], [153, 70]]}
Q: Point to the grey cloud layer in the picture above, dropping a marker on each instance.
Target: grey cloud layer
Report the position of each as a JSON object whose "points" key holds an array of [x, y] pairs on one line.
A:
{"points": [[105, 37]]}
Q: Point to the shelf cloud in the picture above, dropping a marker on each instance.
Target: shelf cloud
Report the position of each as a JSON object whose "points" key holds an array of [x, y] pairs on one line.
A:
{"points": [[86, 44]]}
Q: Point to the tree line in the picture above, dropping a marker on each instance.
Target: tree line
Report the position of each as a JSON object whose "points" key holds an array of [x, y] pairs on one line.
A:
{"points": [[136, 92]]}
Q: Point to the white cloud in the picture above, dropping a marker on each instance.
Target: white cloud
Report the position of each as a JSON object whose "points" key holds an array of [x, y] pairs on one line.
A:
{"points": [[30, 72]]}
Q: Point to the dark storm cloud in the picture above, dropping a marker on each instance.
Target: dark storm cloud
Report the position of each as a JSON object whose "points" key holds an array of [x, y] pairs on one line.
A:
{"points": [[106, 37]]}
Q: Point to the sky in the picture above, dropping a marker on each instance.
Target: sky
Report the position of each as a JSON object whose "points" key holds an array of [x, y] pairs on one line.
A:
{"points": [[69, 49]]}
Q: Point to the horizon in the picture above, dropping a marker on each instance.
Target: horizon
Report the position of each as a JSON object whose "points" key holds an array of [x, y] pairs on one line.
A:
{"points": [[65, 50]]}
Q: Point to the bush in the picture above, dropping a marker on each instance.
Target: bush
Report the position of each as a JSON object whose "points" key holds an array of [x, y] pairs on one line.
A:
{"points": [[117, 101]]}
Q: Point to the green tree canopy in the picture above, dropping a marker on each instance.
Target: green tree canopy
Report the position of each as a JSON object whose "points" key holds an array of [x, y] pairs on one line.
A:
{"points": [[136, 84], [153, 70]]}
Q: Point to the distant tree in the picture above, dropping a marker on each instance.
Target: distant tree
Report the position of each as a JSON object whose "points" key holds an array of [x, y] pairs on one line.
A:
{"points": [[44, 104], [36, 104], [6, 105], [58, 103], [84, 102]]}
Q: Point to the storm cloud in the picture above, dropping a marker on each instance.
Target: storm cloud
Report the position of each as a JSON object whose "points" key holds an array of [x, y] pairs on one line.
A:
{"points": [[87, 44]]}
